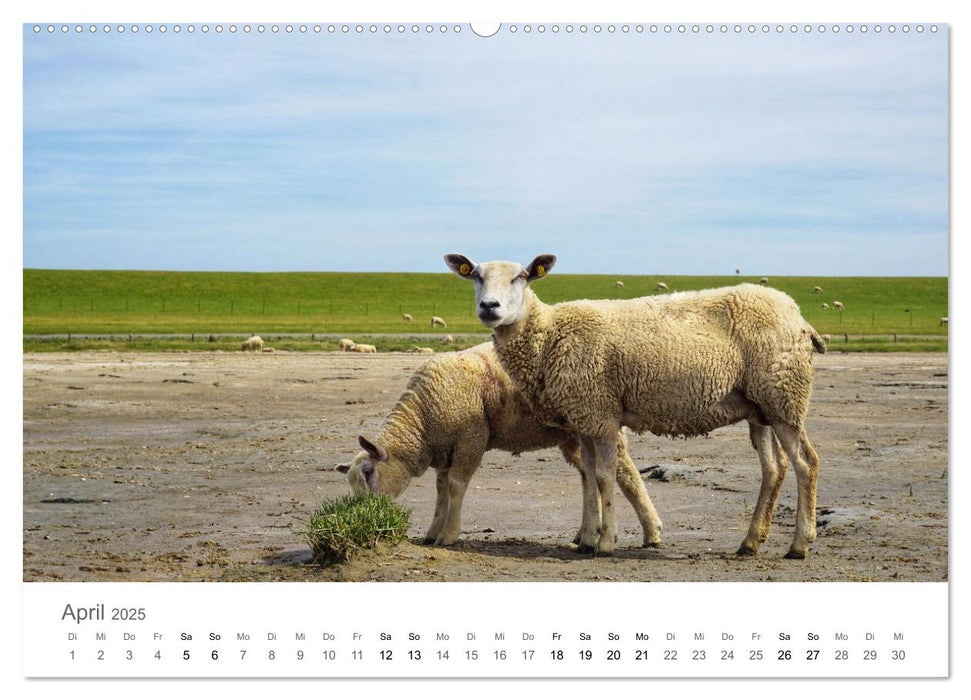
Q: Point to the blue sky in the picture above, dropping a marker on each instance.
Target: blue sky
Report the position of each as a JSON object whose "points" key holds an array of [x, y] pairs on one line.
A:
{"points": [[639, 153]]}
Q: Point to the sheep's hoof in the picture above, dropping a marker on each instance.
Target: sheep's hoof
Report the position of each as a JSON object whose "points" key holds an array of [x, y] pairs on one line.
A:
{"points": [[586, 549], [656, 544], [428, 540], [795, 554], [747, 551], [576, 540], [602, 553]]}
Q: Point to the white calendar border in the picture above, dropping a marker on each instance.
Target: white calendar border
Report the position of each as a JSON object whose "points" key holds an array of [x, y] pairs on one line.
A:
{"points": [[505, 10]]}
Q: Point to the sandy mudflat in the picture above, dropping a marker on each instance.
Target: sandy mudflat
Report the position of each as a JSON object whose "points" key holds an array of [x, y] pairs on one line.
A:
{"points": [[205, 466]]}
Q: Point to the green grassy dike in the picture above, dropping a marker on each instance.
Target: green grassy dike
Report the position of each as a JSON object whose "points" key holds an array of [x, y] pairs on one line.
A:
{"points": [[118, 303]]}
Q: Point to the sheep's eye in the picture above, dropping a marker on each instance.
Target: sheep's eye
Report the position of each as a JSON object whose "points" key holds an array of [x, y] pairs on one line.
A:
{"points": [[522, 275]]}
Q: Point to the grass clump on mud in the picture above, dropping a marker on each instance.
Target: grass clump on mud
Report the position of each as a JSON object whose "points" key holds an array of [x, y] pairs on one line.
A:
{"points": [[341, 527]]}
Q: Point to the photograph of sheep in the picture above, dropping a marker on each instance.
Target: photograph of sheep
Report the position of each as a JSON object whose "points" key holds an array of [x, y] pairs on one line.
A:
{"points": [[569, 302]]}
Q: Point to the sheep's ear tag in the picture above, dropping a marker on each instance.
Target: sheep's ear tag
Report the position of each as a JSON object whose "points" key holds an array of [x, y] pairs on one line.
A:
{"points": [[540, 271], [464, 269]]}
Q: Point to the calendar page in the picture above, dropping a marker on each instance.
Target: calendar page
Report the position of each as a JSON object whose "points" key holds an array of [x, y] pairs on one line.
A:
{"points": [[361, 348]]}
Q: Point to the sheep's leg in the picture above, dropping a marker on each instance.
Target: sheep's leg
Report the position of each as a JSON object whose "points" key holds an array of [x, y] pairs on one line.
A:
{"points": [[590, 523], [459, 475], [571, 453], [806, 463], [606, 461], [457, 486], [632, 486], [774, 467], [441, 506]]}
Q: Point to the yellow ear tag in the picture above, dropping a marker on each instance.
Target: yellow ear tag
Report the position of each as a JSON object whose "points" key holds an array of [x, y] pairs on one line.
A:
{"points": [[540, 271], [465, 269]]}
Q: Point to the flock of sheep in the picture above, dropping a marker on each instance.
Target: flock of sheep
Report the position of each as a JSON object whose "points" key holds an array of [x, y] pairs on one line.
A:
{"points": [[577, 374], [255, 344]]}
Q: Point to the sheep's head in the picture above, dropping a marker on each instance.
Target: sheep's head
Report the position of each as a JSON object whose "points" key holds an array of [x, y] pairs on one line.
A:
{"points": [[363, 473], [499, 285]]}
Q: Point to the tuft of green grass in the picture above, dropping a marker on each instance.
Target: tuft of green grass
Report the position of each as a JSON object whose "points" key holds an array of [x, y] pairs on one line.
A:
{"points": [[343, 526]]}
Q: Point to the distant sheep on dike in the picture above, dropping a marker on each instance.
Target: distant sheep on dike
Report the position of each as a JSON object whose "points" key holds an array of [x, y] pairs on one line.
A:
{"points": [[253, 344], [346, 344], [681, 365], [362, 347], [437, 321], [455, 408]]}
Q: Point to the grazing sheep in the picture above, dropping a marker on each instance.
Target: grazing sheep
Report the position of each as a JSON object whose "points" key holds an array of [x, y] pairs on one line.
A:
{"points": [[437, 321], [448, 340], [254, 343], [764, 281], [837, 305], [455, 408], [361, 347], [421, 351], [406, 317], [678, 365], [825, 306], [346, 344], [618, 284], [661, 287], [943, 320], [817, 290]]}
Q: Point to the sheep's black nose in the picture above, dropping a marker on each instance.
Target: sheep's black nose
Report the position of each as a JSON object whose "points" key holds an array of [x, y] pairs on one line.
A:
{"points": [[489, 305]]}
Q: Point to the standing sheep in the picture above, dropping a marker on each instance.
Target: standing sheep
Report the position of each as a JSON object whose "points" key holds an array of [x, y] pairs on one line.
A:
{"points": [[817, 290], [661, 287], [764, 281], [838, 305], [825, 306], [254, 343], [618, 284], [346, 344], [437, 321], [406, 317], [448, 340], [361, 347], [679, 365], [455, 408]]}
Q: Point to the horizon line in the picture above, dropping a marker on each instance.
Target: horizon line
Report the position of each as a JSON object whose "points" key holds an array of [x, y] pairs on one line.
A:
{"points": [[446, 272]]}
